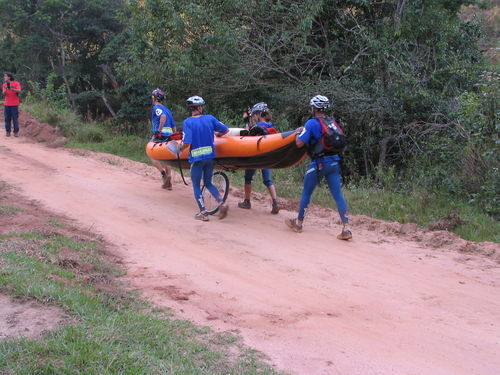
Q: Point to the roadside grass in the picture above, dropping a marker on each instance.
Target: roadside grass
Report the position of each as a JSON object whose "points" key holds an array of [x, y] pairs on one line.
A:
{"points": [[130, 147], [67, 121], [420, 207], [109, 330], [8, 210], [416, 206]]}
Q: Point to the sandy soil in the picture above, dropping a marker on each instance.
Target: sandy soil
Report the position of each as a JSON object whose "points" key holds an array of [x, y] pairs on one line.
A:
{"points": [[26, 318], [395, 300]]}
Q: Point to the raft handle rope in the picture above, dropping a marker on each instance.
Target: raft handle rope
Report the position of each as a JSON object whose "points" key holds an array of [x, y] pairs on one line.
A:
{"points": [[180, 169]]}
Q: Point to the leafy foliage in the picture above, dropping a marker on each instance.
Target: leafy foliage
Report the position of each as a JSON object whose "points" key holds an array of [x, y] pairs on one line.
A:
{"points": [[405, 77]]}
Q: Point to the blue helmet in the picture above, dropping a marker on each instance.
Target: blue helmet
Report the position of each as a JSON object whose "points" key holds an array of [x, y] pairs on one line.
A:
{"points": [[195, 101]]}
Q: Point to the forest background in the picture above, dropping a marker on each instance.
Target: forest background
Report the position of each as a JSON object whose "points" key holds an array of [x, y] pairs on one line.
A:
{"points": [[415, 83]]}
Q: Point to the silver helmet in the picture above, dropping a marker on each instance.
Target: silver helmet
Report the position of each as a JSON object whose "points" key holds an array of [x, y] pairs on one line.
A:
{"points": [[320, 102], [195, 101], [259, 108]]}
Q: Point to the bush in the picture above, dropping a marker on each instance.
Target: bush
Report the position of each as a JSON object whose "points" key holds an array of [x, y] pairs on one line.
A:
{"points": [[90, 133]]}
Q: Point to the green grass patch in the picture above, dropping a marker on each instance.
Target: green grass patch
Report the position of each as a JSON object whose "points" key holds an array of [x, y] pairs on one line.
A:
{"points": [[422, 208], [131, 147], [9, 210], [54, 115], [112, 332]]}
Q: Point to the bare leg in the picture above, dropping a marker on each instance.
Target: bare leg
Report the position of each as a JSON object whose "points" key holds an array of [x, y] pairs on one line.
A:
{"points": [[157, 164], [275, 205], [166, 174], [246, 201], [248, 191], [272, 192], [167, 179]]}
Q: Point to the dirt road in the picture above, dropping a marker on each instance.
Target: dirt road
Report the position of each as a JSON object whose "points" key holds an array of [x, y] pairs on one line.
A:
{"points": [[380, 304]]}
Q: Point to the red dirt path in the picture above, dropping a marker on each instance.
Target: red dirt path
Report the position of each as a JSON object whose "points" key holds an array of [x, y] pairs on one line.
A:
{"points": [[395, 300]]}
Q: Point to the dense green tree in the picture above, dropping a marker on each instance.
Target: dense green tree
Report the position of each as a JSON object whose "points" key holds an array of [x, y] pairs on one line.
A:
{"points": [[404, 76], [61, 36], [386, 65], [185, 47]]}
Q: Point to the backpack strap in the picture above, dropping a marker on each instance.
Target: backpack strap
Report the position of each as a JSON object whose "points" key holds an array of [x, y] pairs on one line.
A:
{"points": [[317, 150], [329, 121]]}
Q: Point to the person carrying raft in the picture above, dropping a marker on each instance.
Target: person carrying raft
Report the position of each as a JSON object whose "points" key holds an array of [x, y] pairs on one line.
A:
{"points": [[162, 126], [260, 123], [324, 163], [199, 130]]}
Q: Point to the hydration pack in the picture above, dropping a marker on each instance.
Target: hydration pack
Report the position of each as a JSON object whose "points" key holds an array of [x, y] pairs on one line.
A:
{"points": [[332, 141]]}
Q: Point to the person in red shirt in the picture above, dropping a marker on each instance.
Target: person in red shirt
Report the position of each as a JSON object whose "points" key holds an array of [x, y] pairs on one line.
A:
{"points": [[11, 89]]}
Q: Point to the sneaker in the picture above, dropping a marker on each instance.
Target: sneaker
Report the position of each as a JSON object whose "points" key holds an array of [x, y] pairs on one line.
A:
{"points": [[16, 134], [203, 216], [245, 204], [276, 207], [345, 235], [167, 182], [223, 209], [7, 134], [293, 225]]}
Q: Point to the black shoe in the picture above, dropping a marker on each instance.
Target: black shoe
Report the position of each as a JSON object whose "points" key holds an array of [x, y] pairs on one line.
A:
{"points": [[275, 208], [245, 204]]}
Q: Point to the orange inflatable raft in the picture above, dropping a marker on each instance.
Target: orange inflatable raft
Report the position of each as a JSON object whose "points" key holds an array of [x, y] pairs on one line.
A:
{"points": [[272, 151]]}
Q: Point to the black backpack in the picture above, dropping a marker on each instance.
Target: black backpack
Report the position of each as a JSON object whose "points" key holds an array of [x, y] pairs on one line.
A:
{"points": [[332, 141]]}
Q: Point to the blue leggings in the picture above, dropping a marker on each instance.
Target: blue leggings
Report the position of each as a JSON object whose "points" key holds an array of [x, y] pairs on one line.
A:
{"points": [[266, 177], [331, 172], [203, 169], [11, 115]]}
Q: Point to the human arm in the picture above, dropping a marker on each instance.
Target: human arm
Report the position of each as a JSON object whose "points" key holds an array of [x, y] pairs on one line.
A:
{"points": [[163, 120], [170, 121], [13, 86], [246, 116], [186, 136], [219, 128], [299, 142], [184, 146], [220, 134]]}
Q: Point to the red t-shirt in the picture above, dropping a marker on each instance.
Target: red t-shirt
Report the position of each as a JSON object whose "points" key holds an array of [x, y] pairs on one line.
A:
{"points": [[11, 97]]}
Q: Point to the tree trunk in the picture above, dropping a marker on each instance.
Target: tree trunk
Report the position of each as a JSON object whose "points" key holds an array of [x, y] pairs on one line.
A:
{"points": [[365, 160], [65, 79], [383, 151], [398, 14], [106, 103], [106, 69]]}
